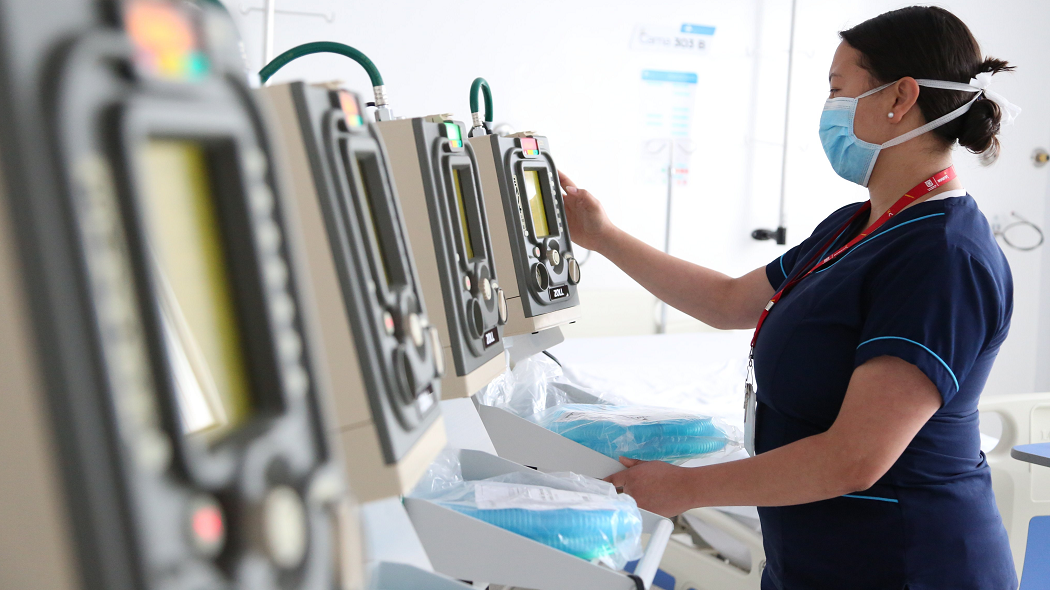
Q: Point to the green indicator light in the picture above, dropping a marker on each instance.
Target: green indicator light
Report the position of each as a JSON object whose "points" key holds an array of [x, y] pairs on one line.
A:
{"points": [[196, 65], [452, 132]]}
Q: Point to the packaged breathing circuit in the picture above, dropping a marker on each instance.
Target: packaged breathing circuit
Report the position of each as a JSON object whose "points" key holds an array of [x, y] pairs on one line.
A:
{"points": [[538, 391], [637, 432], [578, 515]]}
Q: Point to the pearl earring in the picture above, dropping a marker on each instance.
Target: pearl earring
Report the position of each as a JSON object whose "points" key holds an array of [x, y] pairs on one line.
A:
{"points": [[890, 115]]}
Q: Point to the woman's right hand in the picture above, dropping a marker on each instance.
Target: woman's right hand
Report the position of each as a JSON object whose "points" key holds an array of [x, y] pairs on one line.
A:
{"points": [[589, 226]]}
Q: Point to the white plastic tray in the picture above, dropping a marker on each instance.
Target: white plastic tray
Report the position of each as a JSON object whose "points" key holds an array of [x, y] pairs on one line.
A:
{"points": [[466, 548], [402, 576]]}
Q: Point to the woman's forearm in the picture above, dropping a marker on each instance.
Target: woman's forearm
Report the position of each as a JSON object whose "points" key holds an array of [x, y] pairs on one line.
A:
{"points": [[714, 298], [807, 470]]}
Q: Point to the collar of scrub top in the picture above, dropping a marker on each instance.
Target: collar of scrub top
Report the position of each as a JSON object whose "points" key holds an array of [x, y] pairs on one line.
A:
{"points": [[959, 192]]}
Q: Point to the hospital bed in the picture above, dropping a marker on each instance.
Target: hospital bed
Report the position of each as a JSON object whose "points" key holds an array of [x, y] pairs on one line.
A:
{"points": [[721, 548]]}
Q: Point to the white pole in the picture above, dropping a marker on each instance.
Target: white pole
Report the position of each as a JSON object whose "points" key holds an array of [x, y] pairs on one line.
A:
{"points": [[787, 117], [662, 328], [271, 13]]}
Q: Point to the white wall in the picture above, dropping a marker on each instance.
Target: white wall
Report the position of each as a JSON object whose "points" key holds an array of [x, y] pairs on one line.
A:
{"points": [[567, 69]]}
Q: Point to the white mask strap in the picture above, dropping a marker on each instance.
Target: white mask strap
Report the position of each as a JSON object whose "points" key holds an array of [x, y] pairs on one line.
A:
{"points": [[874, 90], [932, 124], [981, 83]]}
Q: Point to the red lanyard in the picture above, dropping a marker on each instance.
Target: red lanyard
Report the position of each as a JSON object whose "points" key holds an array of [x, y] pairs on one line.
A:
{"points": [[920, 190]]}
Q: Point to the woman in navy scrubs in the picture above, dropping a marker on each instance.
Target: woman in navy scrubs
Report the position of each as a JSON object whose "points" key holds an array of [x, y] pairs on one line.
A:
{"points": [[886, 322]]}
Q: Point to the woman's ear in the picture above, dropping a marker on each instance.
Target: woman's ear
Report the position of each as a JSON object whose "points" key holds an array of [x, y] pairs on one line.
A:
{"points": [[906, 93]]}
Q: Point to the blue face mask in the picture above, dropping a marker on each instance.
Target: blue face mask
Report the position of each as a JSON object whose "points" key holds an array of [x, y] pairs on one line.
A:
{"points": [[853, 158]]}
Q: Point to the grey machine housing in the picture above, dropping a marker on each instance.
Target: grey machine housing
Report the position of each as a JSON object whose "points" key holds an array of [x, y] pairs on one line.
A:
{"points": [[130, 478], [546, 270], [398, 349], [424, 160]]}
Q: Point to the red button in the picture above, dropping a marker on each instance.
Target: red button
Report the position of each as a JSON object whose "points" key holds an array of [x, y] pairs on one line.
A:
{"points": [[208, 525], [529, 144]]}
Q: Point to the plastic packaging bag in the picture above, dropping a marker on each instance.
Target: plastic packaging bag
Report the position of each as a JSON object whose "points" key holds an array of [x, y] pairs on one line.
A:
{"points": [[533, 385], [578, 515], [538, 390], [638, 432]]}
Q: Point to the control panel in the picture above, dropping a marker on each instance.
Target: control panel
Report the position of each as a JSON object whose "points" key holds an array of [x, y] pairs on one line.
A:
{"points": [[520, 181], [439, 184], [385, 354]]}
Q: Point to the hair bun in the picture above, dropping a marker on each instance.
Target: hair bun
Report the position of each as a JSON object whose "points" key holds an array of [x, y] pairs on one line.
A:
{"points": [[980, 126]]}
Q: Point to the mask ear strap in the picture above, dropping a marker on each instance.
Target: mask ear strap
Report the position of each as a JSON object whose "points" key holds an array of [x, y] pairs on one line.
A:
{"points": [[932, 124], [874, 90]]}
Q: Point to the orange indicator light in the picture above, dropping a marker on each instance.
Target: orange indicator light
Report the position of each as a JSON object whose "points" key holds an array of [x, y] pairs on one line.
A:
{"points": [[165, 41]]}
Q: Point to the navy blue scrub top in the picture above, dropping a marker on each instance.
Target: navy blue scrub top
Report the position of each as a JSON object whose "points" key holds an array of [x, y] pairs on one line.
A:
{"points": [[932, 287]]}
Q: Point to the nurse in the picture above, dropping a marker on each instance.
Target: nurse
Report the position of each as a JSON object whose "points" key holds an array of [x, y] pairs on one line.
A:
{"points": [[876, 334]]}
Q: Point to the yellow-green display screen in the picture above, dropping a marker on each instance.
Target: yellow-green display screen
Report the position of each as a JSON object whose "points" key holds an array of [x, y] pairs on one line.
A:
{"points": [[368, 176], [457, 181], [534, 192], [194, 286]]}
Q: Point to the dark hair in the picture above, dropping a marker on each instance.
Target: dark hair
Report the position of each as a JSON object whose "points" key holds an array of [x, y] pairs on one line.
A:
{"points": [[932, 43]]}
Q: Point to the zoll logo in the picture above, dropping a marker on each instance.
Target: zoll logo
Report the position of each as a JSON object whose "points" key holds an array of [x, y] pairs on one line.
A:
{"points": [[489, 338], [930, 183]]}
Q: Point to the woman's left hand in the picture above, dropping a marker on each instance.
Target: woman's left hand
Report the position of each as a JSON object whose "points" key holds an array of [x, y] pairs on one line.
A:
{"points": [[656, 486]]}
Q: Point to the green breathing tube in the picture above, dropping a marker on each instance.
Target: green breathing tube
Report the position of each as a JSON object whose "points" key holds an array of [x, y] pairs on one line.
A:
{"points": [[383, 112], [482, 85], [321, 47]]}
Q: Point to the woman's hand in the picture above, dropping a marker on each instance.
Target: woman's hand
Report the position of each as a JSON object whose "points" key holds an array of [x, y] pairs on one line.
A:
{"points": [[656, 486], [589, 226]]}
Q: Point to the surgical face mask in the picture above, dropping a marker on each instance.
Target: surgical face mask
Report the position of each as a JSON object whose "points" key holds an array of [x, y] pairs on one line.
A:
{"points": [[854, 159]]}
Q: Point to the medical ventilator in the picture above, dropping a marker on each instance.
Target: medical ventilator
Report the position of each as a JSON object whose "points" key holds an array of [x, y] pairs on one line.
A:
{"points": [[172, 434], [530, 237], [437, 176], [384, 355]]}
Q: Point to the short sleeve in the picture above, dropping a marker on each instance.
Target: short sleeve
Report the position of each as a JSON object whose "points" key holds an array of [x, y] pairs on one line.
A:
{"points": [[937, 309], [777, 271], [781, 268]]}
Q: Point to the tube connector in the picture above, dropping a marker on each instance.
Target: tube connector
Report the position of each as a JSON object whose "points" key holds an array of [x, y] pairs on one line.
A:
{"points": [[383, 110], [476, 120]]}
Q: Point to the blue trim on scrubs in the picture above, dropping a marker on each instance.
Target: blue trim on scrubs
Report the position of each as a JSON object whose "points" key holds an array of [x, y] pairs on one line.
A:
{"points": [[924, 347], [938, 295], [870, 238], [870, 498]]}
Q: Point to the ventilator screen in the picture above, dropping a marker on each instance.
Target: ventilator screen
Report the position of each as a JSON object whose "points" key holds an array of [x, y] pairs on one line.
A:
{"points": [[369, 177], [193, 283], [534, 191], [457, 181]]}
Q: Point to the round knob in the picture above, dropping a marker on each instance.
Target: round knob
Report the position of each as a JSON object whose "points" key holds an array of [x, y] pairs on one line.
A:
{"points": [[486, 289], [439, 353], [501, 305], [284, 524], [540, 279], [414, 329], [475, 318], [207, 526], [554, 257], [574, 271]]}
